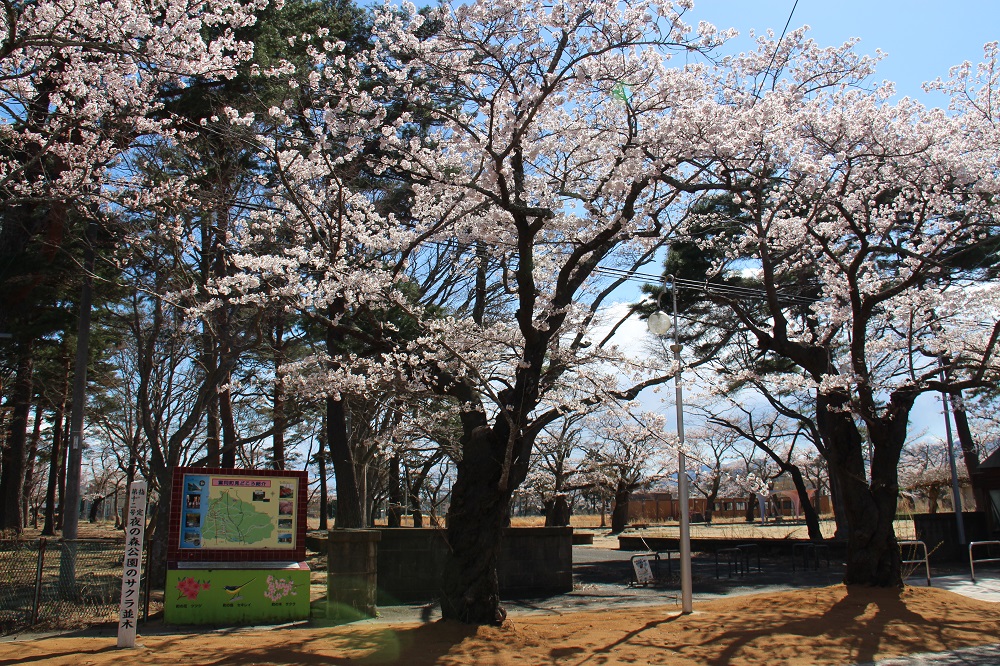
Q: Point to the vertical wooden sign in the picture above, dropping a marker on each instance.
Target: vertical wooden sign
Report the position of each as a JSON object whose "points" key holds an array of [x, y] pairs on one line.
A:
{"points": [[135, 532]]}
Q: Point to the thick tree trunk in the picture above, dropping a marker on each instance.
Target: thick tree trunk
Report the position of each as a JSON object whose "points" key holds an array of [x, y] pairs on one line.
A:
{"points": [[872, 553], [349, 512], [29, 466], [479, 511], [95, 508], [213, 440], [55, 463], [324, 508], [324, 492], [751, 508], [61, 486], [557, 512], [713, 494], [12, 461], [228, 422], [837, 502], [417, 515], [619, 514], [156, 537], [933, 495], [969, 453]]}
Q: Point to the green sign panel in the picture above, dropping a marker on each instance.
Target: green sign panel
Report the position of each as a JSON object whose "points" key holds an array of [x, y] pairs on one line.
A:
{"points": [[236, 596]]}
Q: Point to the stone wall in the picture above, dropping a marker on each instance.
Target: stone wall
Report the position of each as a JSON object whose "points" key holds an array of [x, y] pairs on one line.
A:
{"points": [[940, 532], [534, 561]]}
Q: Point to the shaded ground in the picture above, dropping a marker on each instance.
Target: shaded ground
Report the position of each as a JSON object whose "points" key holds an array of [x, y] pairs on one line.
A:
{"points": [[771, 616], [828, 625]]}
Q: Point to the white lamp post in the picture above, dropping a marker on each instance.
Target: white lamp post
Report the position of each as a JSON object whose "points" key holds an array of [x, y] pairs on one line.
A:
{"points": [[659, 323]]}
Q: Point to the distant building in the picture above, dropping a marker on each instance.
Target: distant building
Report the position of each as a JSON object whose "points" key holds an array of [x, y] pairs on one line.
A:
{"points": [[652, 507]]}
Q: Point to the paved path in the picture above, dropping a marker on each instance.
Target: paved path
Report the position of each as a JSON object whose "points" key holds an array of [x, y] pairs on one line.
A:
{"points": [[984, 655]]}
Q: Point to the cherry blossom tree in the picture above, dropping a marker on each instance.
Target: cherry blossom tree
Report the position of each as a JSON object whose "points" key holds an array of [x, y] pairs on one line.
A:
{"points": [[80, 81], [556, 470], [877, 203], [711, 454], [624, 453], [551, 150]]}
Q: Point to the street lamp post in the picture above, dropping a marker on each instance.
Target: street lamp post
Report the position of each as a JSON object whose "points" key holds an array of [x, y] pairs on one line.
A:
{"points": [[956, 493], [659, 323]]}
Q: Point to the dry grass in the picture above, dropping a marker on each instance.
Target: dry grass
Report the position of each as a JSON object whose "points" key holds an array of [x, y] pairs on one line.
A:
{"points": [[723, 529]]}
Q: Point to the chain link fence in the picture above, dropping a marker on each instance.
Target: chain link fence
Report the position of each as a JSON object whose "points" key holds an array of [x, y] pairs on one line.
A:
{"points": [[58, 584]]}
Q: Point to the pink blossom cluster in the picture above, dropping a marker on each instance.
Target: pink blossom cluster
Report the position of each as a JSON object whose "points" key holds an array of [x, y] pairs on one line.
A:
{"points": [[189, 588], [279, 588]]}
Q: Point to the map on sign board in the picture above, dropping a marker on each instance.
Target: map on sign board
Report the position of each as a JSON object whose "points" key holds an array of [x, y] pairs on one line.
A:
{"points": [[233, 511]]}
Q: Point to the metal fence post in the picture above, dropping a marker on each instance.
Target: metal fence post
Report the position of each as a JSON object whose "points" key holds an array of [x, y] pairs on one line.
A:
{"points": [[38, 582], [145, 578]]}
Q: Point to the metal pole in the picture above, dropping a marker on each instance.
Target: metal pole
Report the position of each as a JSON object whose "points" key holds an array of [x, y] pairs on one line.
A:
{"points": [[682, 479], [38, 581], [956, 494], [74, 454]]}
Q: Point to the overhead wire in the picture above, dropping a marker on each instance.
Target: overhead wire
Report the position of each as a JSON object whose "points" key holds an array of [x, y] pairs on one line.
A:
{"points": [[774, 54], [735, 291]]}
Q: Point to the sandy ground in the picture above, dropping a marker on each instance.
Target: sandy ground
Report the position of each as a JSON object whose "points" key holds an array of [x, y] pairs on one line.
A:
{"points": [[830, 625]]}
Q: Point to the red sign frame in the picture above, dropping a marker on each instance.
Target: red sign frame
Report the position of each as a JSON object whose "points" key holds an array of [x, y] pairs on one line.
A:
{"points": [[176, 554]]}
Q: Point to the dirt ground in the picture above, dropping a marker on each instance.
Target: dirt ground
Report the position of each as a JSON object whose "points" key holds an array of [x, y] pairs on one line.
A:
{"points": [[829, 625]]}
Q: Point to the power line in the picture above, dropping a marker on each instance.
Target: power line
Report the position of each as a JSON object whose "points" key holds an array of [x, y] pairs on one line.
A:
{"points": [[649, 278], [775, 53], [709, 287]]}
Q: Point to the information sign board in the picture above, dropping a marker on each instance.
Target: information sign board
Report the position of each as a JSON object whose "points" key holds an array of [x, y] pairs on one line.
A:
{"points": [[234, 515]]}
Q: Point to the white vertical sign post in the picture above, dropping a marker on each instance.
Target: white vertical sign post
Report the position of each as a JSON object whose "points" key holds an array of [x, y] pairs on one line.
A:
{"points": [[135, 531]]}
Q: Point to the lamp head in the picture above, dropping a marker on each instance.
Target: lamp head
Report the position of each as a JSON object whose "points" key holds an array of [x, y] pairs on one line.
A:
{"points": [[659, 322]]}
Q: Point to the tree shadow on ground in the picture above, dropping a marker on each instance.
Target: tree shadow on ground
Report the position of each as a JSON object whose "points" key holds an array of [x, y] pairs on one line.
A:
{"points": [[859, 621], [372, 644]]}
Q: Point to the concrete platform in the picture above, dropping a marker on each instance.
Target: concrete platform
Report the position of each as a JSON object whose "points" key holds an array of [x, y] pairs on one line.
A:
{"points": [[986, 587]]}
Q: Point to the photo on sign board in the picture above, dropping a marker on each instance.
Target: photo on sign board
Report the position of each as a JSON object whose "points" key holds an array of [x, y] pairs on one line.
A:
{"points": [[284, 538], [260, 496], [286, 492], [192, 520], [192, 538], [193, 487], [285, 508], [643, 572], [284, 523], [194, 501]]}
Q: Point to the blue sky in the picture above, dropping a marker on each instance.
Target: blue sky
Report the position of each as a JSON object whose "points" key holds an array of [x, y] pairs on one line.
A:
{"points": [[922, 39]]}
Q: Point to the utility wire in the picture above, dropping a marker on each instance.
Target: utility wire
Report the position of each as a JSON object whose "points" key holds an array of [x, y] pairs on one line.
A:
{"points": [[705, 285], [756, 93], [649, 278]]}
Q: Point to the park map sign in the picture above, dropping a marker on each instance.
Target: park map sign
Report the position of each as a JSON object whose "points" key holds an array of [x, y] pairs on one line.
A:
{"points": [[236, 512], [237, 515], [237, 547]]}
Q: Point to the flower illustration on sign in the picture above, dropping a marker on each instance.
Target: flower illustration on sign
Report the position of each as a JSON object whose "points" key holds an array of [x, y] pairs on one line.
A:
{"points": [[279, 588], [189, 587]]}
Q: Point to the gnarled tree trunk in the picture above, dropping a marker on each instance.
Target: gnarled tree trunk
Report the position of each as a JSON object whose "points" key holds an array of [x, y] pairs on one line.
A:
{"points": [[479, 511], [872, 553]]}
